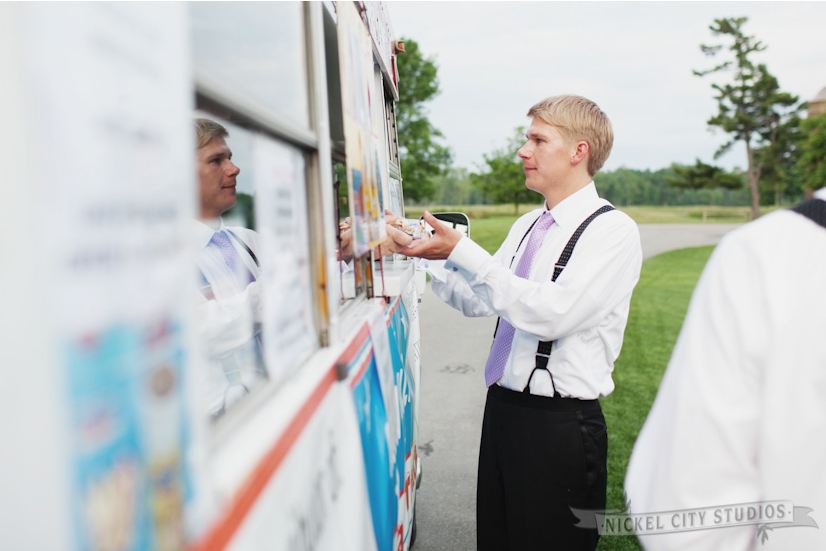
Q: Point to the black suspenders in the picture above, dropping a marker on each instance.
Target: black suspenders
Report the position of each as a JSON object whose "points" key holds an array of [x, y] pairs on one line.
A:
{"points": [[246, 247], [543, 349], [527, 233], [814, 210]]}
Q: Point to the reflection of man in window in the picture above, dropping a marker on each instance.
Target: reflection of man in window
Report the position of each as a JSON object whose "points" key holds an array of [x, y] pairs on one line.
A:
{"points": [[228, 267]]}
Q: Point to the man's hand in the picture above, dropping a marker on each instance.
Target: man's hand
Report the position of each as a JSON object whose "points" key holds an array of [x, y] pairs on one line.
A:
{"points": [[394, 242], [395, 237], [345, 235], [439, 246]]}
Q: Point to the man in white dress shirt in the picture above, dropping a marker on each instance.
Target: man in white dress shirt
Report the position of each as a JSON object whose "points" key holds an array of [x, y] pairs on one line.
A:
{"points": [[561, 286], [228, 266], [740, 416]]}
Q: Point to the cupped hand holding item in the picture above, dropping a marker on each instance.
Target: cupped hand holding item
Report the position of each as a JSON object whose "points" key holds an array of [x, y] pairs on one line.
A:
{"points": [[345, 236], [398, 234], [438, 246]]}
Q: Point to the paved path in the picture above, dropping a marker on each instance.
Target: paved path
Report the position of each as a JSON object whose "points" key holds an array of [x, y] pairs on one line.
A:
{"points": [[454, 352], [659, 238]]}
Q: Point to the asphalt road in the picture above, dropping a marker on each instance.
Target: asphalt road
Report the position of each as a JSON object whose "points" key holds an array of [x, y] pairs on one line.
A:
{"points": [[454, 350]]}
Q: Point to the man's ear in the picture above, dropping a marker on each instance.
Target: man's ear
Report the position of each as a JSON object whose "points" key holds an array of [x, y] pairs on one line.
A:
{"points": [[580, 153]]}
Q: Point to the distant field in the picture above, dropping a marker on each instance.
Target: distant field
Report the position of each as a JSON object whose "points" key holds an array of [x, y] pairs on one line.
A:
{"points": [[641, 214]]}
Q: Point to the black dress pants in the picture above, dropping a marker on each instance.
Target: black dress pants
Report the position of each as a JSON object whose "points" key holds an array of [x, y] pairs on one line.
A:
{"points": [[539, 457]]}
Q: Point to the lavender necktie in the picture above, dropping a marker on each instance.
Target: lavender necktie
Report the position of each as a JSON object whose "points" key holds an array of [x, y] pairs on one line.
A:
{"points": [[220, 239], [501, 348]]}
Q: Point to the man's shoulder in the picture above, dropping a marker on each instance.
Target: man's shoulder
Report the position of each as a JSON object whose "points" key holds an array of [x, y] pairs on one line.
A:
{"points": [[771, 233], [610, 230], [615, 219], [248, 236]]}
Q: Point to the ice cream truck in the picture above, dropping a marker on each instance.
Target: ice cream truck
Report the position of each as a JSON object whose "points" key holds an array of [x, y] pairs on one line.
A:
{"points": [[145, 405]]}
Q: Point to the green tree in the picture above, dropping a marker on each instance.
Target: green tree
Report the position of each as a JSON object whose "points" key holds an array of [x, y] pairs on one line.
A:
{"points": [[751, 107], [502, 179], [811, 163], [702, 176], [456, 188], [667, 186], [423, 158], [778, 178], [244, 208], [626, 186]]}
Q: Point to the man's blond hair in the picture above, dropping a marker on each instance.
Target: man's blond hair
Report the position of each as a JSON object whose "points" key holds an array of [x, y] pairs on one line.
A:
{"points": [[207, 130], [579, 118]]}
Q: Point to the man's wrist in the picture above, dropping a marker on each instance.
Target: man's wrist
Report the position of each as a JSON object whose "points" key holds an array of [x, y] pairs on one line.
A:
{"points": [[467, 255]]}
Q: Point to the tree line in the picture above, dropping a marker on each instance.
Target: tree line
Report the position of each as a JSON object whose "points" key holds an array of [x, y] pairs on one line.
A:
{"points": [[785, 153], [623, 186]]}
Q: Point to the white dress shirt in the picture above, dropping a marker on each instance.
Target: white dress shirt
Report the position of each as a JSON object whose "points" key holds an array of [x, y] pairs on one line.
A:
{"points": [[584, 311], [741, 412], [229, 319]]}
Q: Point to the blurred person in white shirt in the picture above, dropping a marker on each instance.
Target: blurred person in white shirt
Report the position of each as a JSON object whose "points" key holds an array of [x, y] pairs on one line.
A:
{"points": [[740, 415]]}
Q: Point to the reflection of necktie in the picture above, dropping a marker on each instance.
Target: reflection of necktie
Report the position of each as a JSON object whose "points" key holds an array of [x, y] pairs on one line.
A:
{"points": [[220, 239], [501, 348]]}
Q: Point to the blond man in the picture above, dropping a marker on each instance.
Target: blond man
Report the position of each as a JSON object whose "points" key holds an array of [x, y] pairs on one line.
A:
{"points": [[561, 287], [227, 257]]}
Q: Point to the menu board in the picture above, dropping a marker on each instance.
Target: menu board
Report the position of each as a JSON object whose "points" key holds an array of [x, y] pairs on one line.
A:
{"points": [[359, 102], [380, 140], [281, 211]]}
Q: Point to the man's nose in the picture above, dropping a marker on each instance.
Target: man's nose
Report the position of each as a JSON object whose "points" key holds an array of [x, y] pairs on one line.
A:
{"points": [[523, 152], [233, 169]]}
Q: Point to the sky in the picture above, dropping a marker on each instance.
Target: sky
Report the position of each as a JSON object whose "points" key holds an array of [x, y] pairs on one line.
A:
{"points": [[635, 59]]}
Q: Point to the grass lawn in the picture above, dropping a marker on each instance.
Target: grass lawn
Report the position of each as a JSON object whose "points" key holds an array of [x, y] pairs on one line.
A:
{"points": [[657, 311]]}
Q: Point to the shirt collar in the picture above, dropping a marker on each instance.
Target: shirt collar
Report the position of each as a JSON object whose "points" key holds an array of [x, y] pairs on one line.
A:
{"points": [[203, 230], [573, 208], [821, 193]]}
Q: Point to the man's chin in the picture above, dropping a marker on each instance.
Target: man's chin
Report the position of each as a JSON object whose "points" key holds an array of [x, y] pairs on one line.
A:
{"points": [[229, 205]]}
